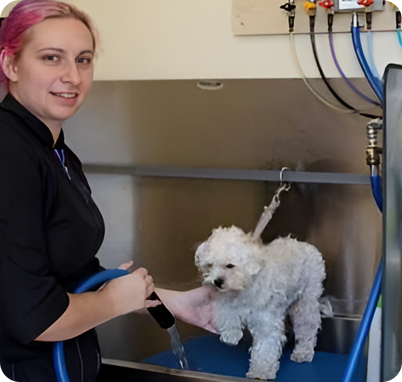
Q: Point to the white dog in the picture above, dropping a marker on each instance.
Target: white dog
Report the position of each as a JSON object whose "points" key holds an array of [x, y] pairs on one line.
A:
{"points": [[260, 286]]}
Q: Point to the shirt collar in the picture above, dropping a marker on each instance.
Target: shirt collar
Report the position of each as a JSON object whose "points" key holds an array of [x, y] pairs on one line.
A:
{"points": [[34, 123]]}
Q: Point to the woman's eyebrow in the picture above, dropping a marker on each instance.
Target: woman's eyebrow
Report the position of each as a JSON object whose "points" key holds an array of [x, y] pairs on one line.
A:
{"points": [[59, 50], [87, 51], [50, 48]]}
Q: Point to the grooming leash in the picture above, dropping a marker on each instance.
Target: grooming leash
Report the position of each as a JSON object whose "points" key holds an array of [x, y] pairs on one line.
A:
{"points": [[269, 211]]}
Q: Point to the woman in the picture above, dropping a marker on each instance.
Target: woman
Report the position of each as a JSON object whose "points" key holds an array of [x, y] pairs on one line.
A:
{"points": [[50, 228]]}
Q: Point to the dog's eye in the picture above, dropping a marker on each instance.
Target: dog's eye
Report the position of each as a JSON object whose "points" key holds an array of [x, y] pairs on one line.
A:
{"points": [[230, 266]]}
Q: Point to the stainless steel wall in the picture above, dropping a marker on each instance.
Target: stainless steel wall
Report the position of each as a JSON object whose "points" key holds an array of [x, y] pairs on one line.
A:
{"points": [[392, 283], [249, 124]]}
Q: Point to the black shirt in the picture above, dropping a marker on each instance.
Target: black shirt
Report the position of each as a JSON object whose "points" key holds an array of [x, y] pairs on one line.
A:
{"points": [[50, 232]]}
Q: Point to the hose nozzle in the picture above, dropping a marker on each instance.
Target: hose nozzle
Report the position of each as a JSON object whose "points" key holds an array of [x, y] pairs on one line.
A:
{"points": [[161, 314]]}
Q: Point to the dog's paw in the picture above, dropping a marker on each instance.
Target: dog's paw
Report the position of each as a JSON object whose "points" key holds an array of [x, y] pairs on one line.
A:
{"points": [[302, 355], [252, 376], [262, 374], [231, 337]]}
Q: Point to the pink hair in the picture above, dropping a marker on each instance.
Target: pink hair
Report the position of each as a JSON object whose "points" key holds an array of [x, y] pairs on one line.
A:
{"points": [[28, 13]]}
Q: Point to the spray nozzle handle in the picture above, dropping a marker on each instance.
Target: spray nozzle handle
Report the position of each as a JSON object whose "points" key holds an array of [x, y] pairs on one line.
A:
{"points": [[161, 314]]}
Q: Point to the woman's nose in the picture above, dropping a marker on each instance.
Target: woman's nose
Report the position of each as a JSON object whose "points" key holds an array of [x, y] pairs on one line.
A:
{"points": [[71, 74]]}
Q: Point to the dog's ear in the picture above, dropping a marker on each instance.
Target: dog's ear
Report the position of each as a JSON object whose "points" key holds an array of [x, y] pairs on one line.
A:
{"points": [[201, 254], [255, 261]]}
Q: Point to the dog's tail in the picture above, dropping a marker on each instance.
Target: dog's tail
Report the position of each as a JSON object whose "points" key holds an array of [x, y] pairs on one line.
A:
{"points": [[325, 307]]}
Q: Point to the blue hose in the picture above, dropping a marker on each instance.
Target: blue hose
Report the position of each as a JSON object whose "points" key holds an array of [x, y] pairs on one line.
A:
{"points": [[375, 293], [377, 191], [371, 61], [365, 324], [59, 362], [398, 32], [96, 280], [100, 278], [343, 75], [374, 82]]}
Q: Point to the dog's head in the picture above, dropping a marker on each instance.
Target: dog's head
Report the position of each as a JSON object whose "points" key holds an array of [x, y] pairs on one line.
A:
{"points": [[229, 259]]}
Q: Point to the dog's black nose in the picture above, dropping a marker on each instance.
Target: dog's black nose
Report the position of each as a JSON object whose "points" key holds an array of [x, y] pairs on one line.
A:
{"points": [[218, 283]]}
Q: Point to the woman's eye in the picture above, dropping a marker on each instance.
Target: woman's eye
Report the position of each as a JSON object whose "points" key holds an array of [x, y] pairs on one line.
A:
{"points": [[84, 60], [230, 266], [51, 58]]}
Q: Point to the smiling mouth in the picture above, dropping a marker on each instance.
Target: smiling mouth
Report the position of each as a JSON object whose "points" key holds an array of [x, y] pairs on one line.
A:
{"points": [[65, 95]]}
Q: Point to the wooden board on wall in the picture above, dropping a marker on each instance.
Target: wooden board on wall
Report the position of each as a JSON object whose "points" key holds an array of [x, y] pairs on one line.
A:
{"points": [[265, 17]]}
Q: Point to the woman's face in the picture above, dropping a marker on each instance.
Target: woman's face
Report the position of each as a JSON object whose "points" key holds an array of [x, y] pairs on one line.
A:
{"points": [[53, 73]]}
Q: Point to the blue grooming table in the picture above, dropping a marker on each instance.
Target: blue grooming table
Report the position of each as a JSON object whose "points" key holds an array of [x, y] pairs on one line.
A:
{"points": [[208, 354]]}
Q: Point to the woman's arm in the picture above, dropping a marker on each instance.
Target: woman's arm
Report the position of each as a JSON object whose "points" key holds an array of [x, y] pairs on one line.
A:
{"points": [[127, 294], [194, 306], [87, 310]]}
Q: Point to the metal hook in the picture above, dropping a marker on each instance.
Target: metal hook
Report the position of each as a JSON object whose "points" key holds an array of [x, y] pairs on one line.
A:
{"points": [[281, 175], [285, 187]]}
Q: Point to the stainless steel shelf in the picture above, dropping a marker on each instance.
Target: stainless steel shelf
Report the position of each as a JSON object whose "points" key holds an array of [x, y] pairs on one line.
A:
{"points": [[230, 174]]}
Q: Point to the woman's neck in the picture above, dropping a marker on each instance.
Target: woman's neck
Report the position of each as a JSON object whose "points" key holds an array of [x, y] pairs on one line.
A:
{"points": [[53, 125]]}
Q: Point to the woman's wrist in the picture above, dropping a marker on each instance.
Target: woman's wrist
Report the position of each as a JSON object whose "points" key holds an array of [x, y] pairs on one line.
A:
{"points": [[171, 299]]}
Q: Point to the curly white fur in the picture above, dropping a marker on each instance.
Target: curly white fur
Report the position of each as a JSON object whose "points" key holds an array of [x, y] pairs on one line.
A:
{"points": [[260, 285]]}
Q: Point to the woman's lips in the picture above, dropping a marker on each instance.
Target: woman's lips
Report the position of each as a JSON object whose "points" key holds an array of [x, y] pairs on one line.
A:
{"points": [[65, 95]]}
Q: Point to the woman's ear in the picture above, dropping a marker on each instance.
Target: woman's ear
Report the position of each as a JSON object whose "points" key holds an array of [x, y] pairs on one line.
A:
{"points": [[9, 66]]}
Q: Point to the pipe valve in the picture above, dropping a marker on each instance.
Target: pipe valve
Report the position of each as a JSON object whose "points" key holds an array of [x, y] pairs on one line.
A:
{"points": [[365, 3], [373, 150], [369, 17], [328, 5], [290, 8], [397, 4], [310, 7]]}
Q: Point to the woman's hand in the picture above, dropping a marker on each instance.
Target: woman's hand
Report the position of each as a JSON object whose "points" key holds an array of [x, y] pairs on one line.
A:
{"points": [[194, 306], [129, 293], [90, 309]]}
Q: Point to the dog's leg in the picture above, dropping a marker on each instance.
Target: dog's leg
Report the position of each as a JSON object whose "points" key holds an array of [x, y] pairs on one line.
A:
{"points": [[230, 328], [306, 320], [227, 320], [268, 340]]}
